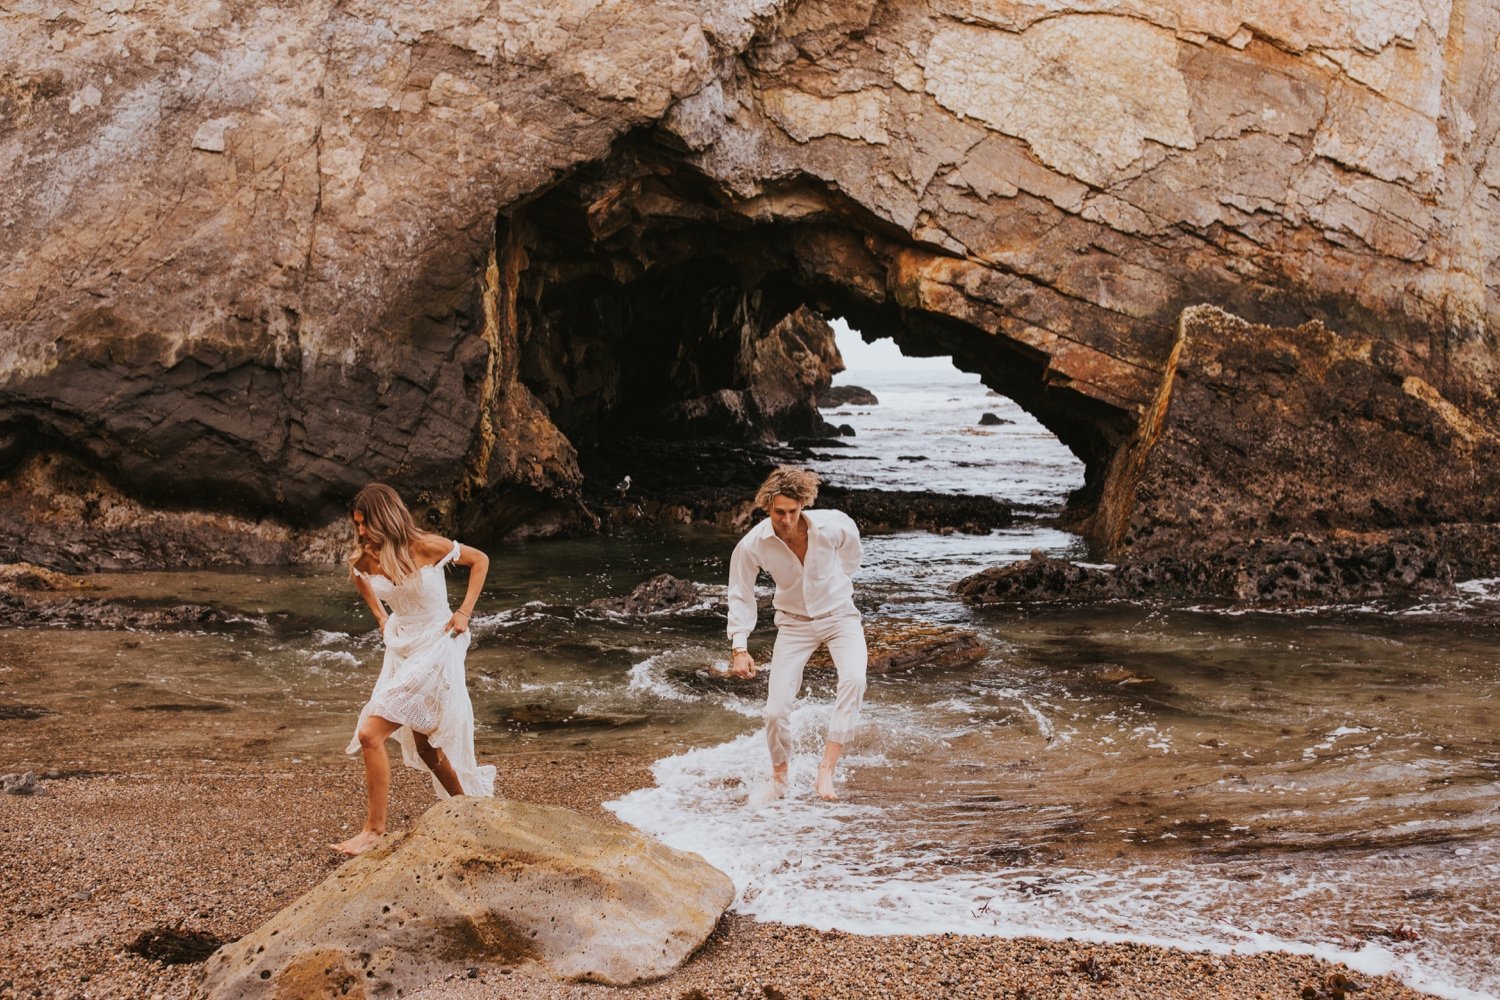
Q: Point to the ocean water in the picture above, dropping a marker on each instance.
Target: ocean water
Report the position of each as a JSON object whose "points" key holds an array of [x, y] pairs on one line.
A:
{"points": [[1213, 777], [926, 434], [1209, 776]]}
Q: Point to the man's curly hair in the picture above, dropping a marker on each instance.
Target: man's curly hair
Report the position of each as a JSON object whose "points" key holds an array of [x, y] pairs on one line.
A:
{"points": [[799, 484]]}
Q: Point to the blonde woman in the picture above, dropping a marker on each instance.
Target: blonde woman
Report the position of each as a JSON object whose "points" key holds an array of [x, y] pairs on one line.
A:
{"points": [[421, 697]]}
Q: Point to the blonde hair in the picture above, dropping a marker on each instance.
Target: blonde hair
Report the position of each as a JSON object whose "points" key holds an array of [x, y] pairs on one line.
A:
{"points": [[799, 484], [389, 531]]}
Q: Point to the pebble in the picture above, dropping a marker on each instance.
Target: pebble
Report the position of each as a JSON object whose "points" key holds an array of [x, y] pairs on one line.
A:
{"points": [[20, 784]]}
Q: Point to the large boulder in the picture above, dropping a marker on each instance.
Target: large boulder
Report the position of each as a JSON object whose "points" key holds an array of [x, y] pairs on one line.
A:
{"points": [[483, 881], [1288, 465]]}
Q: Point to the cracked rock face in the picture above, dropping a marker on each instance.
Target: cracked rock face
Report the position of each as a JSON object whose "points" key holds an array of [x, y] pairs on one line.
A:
{"points": [[257, 256]]}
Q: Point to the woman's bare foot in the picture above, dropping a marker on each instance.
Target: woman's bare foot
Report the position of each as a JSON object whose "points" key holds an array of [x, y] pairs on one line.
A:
{"points": [[359, 843], [824, 785]]}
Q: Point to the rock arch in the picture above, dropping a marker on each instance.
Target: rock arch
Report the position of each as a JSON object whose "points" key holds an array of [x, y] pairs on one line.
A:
{"points": [[643, 289], [254, 256]]}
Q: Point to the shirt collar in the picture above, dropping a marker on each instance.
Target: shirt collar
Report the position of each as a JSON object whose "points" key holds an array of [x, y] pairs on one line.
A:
{"points": [[765, 530]]}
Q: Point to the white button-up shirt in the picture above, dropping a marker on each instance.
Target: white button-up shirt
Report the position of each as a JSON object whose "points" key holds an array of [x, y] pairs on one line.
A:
{"points": [[815, 588]]}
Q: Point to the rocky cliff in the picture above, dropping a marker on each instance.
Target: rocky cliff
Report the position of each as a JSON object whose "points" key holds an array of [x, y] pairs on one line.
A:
{"points": [[257, 255]]}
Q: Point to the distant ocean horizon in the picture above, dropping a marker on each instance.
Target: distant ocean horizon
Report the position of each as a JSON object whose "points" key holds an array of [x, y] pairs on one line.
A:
{"points": [[926, 434]]}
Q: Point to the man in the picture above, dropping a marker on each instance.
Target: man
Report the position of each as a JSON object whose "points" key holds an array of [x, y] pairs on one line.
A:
{"points": [[810, 554]]}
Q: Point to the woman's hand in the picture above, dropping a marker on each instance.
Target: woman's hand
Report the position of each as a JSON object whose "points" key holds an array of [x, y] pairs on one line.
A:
{"points": [[458, 623]]}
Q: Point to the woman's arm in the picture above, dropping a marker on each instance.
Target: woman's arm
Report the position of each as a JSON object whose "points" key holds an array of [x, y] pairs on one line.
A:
{"points": [[479, 565], [376, 608]]}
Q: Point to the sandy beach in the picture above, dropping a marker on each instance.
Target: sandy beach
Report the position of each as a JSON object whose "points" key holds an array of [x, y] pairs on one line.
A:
{"points": [[107, 853]]}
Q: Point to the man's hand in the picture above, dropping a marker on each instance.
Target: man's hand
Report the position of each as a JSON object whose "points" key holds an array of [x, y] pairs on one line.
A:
{"points": [[741, 664]]}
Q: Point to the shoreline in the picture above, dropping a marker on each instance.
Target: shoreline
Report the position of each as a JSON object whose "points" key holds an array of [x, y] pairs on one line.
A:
{"points": [[103, 856]]}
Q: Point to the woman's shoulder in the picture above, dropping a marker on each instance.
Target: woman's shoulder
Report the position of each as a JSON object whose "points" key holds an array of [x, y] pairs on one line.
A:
{"points": [[429, 549]]}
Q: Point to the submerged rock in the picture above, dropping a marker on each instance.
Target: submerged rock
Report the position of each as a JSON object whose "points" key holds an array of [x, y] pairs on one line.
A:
{"points": [[540, 716], [481, 881], [23, 712], [901, 644], [661, 593]]}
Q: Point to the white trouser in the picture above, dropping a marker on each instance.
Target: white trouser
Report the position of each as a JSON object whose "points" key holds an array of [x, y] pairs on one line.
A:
{"points": [[796, 641]]}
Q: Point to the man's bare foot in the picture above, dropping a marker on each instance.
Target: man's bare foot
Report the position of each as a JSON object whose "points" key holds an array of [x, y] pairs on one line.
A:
{"points": [[359, 843], [770, 791], [824, 785]]}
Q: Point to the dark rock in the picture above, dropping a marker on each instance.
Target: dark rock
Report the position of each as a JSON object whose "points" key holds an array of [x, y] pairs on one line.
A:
{"points": [[175, 945], [18, 611], [1035, 580], [993, 420], [659, 594], [754, 375], [22, 712], [540, 717], [903, 644], [884, 511], [818, 442], [846, 395], [911, 458], [1295, 571], [846, 430], [25, 576], [1116, 675], [715, 482]]}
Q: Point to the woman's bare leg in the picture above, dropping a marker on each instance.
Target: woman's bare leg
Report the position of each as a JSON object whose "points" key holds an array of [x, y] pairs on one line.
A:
{"points": [[372, 736], [437, 763]]}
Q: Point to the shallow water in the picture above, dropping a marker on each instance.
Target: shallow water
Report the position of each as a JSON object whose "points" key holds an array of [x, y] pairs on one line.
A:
{"points": [[1324, 780]]}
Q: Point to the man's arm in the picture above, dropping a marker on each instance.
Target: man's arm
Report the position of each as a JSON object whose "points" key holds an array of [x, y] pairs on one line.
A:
{"points": [[743, 569], [849, 548]]}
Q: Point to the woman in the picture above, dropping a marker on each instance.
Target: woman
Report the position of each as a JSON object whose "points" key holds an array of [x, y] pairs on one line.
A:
{"points": [[421, 697]]}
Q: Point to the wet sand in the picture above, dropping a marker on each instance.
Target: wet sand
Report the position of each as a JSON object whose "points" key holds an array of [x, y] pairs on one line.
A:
{"points": [[218, 847]]}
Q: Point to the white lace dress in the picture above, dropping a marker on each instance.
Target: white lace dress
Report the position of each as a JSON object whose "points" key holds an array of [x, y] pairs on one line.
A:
{"points": [[422, 684]]}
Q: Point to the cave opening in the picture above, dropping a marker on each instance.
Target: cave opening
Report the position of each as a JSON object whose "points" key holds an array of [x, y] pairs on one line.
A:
{"points": [[921, 424], [656, 312]]}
